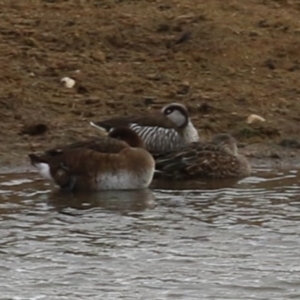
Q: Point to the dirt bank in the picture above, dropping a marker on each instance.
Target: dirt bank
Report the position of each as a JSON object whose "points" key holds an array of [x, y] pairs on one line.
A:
{"points": [[224, 59]]}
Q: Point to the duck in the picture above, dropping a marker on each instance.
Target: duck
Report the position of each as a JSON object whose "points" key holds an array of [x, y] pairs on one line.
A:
{"points": [[216, 159], [162, 131], [116, 162]]}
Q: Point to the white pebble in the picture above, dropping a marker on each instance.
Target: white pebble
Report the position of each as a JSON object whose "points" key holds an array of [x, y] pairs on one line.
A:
{"points": [[255, 118], [68, 82]]}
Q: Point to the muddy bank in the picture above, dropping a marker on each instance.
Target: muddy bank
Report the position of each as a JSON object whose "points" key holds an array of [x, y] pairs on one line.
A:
{"points": [[225, 61]]}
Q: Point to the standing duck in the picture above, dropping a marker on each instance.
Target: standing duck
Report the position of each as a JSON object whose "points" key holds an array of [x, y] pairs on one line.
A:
{"points": [[108, 163], [162, 131], [216, 159]]}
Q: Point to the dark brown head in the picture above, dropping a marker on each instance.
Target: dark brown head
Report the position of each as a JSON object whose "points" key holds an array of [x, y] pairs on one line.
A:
{"points": [[226, 141], [177, 113], [34, 159], [127, 135]]}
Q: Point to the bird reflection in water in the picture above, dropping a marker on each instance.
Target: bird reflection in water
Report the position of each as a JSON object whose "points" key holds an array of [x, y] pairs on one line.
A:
{"points": [[122, 201]]}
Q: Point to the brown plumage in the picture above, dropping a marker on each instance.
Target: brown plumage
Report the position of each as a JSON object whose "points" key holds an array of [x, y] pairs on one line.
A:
{"points": [[216, 159], [116, 140], [99, 164]]}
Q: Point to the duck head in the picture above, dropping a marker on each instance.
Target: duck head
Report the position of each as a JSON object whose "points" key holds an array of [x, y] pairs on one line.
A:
{"points": [[127, 135], [227, 142], [177, 113]]}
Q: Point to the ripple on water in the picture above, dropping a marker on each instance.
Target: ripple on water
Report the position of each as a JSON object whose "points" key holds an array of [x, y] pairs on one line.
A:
{"points": [[196, 240]]}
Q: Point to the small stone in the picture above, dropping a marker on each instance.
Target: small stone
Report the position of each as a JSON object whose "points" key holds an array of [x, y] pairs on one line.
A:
{"points": [[255, 118], [68, 82]]}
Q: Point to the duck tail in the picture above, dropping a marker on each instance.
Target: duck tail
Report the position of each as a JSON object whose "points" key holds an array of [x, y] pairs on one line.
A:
{"points": [[41, 164], [99, 127]]}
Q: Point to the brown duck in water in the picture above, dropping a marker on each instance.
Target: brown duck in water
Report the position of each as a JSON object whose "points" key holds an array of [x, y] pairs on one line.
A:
{"points": [[216, 159], [107, 163]]}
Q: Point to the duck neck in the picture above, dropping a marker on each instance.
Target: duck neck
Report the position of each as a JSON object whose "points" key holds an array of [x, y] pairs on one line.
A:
{"points": [[190, 133]]}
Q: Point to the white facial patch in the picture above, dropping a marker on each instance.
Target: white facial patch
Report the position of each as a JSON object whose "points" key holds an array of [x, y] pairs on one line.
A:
{"points": [[44, 170], [177, 118]]}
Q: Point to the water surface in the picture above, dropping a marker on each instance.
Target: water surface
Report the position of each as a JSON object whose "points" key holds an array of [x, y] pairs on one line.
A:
{"points": [[196, 240]]}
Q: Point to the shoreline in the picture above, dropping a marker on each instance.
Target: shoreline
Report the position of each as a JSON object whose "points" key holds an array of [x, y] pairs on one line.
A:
{"points": [[259, 155]]}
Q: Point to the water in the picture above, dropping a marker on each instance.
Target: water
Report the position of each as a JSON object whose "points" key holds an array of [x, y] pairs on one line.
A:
{"points": [[226, 240]]}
